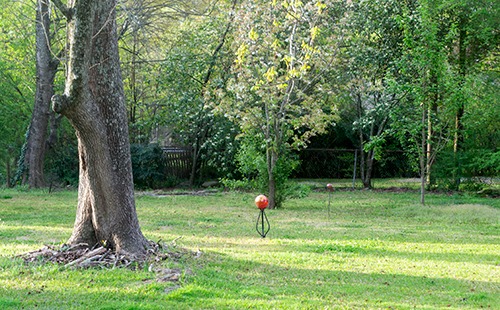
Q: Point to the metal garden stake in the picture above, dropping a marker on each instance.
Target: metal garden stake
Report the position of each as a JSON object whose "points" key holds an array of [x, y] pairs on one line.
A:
{"points": [[329, 187], [262, 202]]}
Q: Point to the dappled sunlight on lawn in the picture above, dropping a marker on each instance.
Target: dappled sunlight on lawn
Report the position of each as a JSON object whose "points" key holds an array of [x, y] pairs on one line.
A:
{"points": [[31, 237], [374, 251], [420, 259]]}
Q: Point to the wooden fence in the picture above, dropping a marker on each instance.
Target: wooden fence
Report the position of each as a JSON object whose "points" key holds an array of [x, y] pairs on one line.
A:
{"points": [[178, 161]]}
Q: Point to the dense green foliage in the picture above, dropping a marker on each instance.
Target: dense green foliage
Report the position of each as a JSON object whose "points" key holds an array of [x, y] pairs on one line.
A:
{"points": [[148, 164], [383, 77], [377, 250], [16, 83]]}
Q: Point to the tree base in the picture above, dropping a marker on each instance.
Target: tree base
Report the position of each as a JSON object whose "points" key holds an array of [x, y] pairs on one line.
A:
{"points": [[82, 256]]}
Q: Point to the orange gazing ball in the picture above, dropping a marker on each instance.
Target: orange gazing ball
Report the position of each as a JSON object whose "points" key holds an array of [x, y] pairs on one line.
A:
{"points": [[261, 202]]}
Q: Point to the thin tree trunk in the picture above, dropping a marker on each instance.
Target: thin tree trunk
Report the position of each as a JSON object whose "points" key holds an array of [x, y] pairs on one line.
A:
{"points": [[271, 178], [362, 159], [462, 63], [272, 191], [422, 157], [7, 172], [367, 182], [431, 139], [362, 153], [429, 147], [457, 144], [370, 159], [203, 128], [194, 164]]}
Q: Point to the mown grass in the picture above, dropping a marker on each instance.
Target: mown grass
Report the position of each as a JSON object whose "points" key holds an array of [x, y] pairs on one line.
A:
{"points": [[377, 250]]}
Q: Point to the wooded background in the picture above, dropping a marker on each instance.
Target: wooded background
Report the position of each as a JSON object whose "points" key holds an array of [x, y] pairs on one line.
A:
{"points": [[413, 86]]}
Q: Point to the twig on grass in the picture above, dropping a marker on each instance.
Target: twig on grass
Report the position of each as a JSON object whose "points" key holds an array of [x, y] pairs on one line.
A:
{"points": [[87, 257]]}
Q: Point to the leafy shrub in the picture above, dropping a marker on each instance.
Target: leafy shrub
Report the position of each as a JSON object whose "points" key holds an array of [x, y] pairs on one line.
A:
{"points": [[148, 166], [475, 168], [481, 162], [251, 159], [243, 184], [61, 161]]}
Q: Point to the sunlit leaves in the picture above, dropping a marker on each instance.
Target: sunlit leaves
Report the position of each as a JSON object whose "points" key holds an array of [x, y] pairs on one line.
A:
{"points": [[315, 31], [253, 35], [277, 57], [283, 51], [241, 53]]}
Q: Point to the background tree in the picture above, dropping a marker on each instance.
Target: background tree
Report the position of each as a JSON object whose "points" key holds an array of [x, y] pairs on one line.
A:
{"points": [[145, 30], [283, 53], [373, 38], [473, 34], [46, 69], [437, 88], [481, 134], [197, 65], [93, 101], [14, 115], [16, 84]]}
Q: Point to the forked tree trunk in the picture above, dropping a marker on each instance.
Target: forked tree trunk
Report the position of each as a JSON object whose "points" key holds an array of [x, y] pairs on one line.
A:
{"points": [[94, 103]]}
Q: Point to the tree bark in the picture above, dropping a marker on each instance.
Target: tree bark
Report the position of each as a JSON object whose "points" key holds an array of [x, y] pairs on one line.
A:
{"points": [[423, 155], [7, 173], [93, 102], [46, 68], [271, 179], [462, 67]]}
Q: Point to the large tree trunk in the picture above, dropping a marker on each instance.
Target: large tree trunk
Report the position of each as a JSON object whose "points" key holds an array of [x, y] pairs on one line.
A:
{"points": [[94, 103], [46, 68]]}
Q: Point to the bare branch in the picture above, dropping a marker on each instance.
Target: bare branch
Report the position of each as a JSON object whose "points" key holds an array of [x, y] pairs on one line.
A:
{"points": [[66, 11]]}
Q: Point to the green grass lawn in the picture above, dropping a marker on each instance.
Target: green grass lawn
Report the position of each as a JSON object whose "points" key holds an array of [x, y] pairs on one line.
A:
{"points": [[378, 250]]}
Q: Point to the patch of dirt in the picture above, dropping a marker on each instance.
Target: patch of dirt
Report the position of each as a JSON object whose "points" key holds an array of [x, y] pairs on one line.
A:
{"points": [[166, 193], [395, 189]]}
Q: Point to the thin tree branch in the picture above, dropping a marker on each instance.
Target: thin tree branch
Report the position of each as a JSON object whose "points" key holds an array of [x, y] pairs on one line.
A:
{"points": [[66, 11]]}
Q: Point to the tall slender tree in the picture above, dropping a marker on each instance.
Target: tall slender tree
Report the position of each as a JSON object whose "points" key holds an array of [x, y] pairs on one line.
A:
{"points": [[374, 39], [283, 53], [472, 28], [17, 84], [46, 69]]}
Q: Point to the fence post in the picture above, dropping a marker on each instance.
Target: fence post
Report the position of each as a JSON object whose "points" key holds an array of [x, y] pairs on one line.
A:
{"points": [[354, 170]]}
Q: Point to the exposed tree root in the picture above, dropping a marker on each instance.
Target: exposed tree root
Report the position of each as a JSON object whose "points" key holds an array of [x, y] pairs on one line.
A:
{"points": [[81, 256]]}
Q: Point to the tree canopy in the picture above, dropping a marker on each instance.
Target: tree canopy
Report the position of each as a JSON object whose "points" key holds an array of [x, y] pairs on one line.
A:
{"points": [[238, 83]]}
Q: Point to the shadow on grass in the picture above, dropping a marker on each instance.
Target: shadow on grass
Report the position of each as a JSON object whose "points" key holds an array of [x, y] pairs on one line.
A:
{"points": [[256, 285]]}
